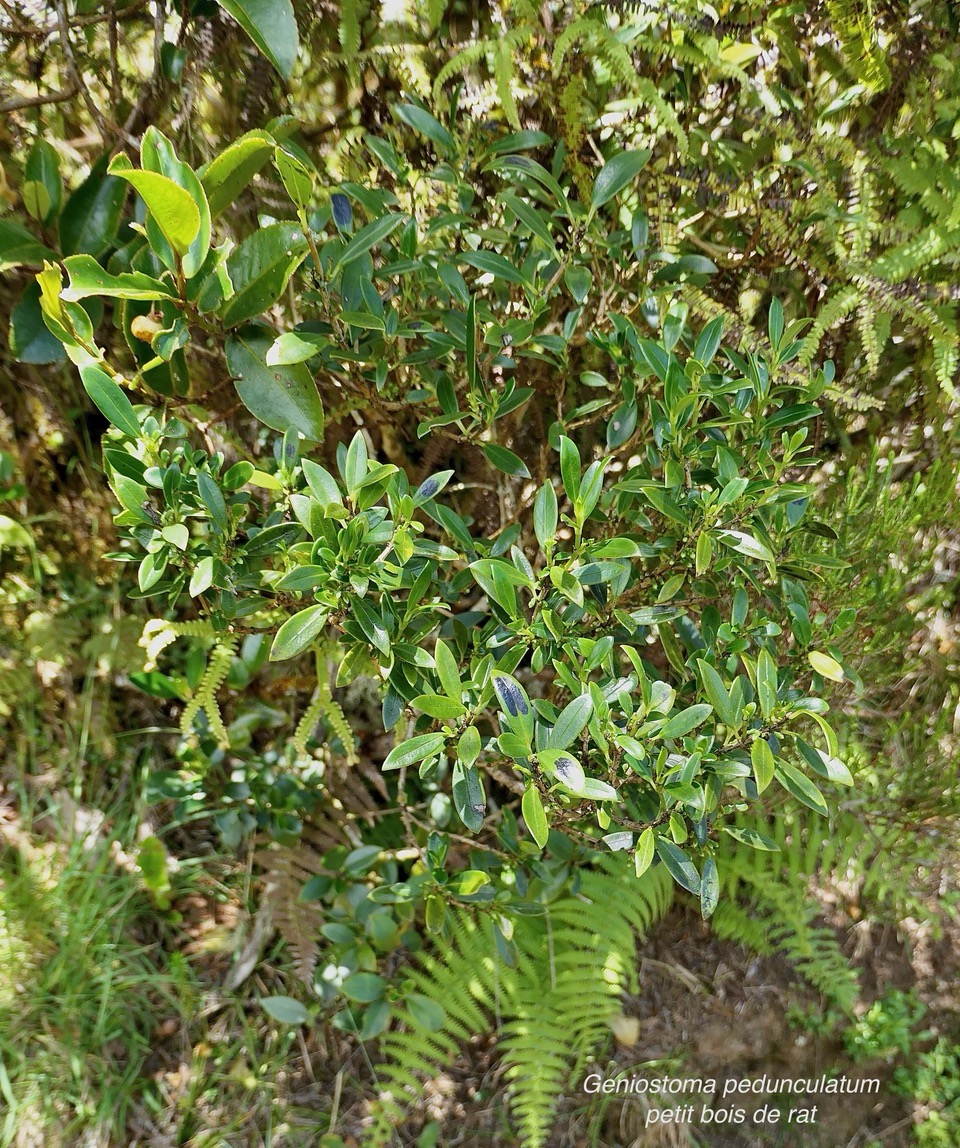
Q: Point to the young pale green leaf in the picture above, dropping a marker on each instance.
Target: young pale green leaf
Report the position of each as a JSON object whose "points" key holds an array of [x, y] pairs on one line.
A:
{"points": [[88, 278], [438, 706], [571, 722], [260, 269], [534, 815], [112, 403], [414, 749], [176, 534], [284, 398], [202, 577], [643, 855], [764, 764], [298, 632], [42, 170], [545, 515], [826, 666], [286, 1010], [616, 175], [468, 796], [272, 26], [595, 790], [173, 208]]}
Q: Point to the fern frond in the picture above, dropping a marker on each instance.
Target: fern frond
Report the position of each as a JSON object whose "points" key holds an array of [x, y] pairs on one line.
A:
{"points": [[205, 696], [554, 1010], [287, 868]]}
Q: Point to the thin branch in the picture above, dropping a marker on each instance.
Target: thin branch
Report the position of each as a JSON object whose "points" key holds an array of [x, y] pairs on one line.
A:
{"points": [[60, 97]]}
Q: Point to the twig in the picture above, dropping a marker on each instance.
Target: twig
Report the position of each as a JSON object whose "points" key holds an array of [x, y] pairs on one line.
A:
{"points": [[60, 97]]}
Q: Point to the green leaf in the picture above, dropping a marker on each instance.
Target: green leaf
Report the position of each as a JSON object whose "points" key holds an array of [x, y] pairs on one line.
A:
{"points": [[643, 855], [545, 515], [752, 838], [571, 722], [173, 208], [112, 403], [271, 25], [746, 544], [18, 246], [514, 702], [448, 671], [595, 790], [762, 759], [801, 787], [91, 217], [531, 218], [176, 534], [438, 706], [260, 269], [426, 1013], [298, 632], [570, 467], [687, 720], [505, 460], [468, 796], [225, 176], [492, 264], [364, 987], [212, 498], [766, 683], [88, 278], [679, 865], [566, 769], [414, 749], [533, 814], [709, 888], [615, 175], [578, 281], [826, 666], [285, 1009], [284, 398], [717, 694], [31, 341], [427, 125], [202, 577], [468, 747], [43, 187], [366, 238]]}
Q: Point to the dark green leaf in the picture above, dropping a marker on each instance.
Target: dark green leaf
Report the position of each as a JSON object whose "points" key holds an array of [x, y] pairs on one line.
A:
{"points": [[271, 25], [284, 398]]}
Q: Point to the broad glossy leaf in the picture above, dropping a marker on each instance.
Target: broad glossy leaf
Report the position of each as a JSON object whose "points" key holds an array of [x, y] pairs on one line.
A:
{"points": [[687, 720], [764, 764], [31, 341], [571, 722], [505, 460], [680, 867], [367, 238], [91, 216], [42, 183], [468, 796], [298, 632], [172, 207], [225, 176], [272, 26], [260, 269], [284, 398]]}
